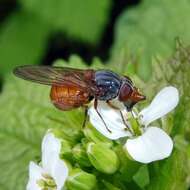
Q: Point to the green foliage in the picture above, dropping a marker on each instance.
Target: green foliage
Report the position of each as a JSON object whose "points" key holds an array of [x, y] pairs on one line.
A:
{"points": [[149, 30], [22, 41], [20, 133], [78, 19], [170, 174], [174, 172], [175, 72], [142, 177]]}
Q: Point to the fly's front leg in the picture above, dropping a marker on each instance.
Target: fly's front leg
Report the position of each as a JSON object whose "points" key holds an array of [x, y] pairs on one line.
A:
{"points": [[123, 119], [95, 107], [126, 125]]}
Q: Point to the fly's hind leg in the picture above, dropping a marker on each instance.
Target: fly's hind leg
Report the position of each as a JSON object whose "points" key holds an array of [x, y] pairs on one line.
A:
{"points": [[85, 116], [111, 105], [123, 119], [95, 107]]}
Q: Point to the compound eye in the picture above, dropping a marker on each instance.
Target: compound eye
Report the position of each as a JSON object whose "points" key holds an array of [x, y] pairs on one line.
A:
{"points": [[125, 92]]}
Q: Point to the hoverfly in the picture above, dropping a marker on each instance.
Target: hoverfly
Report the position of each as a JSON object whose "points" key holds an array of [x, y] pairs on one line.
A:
{"points": [[74, 88]]}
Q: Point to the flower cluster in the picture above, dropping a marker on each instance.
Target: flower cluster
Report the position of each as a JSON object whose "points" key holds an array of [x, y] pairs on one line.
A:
{"points": [[95, 152]]}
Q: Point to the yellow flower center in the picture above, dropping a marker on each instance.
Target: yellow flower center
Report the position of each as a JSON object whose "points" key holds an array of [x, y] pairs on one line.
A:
{"points": [[47, 183]]}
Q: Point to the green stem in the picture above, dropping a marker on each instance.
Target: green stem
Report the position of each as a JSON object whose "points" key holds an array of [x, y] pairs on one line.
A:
{"points": [[135, 126]]}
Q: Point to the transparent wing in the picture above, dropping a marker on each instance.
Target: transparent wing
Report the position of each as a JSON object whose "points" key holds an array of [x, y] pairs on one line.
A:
{"points": [[49, 75]]}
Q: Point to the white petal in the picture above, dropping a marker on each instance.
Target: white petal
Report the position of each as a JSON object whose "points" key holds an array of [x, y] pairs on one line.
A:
{"points": [[112, 119], [165, 101], [35, 174], [51, 147], [154, 144], [60, 173]]}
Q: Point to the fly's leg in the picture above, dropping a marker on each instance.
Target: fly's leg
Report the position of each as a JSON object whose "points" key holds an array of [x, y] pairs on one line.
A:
{"points": [[111, 105], [95, 107], [133, 114], [127, 126], [85, 116], [123, 119]]}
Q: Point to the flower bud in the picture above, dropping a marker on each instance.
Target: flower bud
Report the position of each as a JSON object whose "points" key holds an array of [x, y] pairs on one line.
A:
{"points": [[109, 186], [71, 136], [80, 155], [93, 135], [65, 146], [102, 158], [80, 180]]}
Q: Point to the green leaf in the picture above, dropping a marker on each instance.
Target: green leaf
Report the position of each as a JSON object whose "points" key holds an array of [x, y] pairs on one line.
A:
{"points": [[170, 174], [142, 177], [109, 186], [26, 113], [149, 30], [22, 41], [78, 19]]}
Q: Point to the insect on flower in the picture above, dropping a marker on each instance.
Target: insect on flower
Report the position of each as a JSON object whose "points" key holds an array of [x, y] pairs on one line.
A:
{"points": [[73, 88]]}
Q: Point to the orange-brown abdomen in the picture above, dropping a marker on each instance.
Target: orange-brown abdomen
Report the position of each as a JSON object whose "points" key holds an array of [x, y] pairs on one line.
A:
{"points": [[68, 97]]}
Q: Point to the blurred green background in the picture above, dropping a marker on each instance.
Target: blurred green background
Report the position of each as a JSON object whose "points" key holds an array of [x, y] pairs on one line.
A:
{"points": [[126, 36]]}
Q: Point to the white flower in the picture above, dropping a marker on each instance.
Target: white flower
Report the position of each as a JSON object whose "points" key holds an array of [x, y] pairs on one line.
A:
{"points": [[53, 171], [153, 143]]}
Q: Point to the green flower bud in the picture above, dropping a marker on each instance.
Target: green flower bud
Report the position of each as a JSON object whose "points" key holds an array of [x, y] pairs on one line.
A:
{"points": [[80, 155], [84, 142], [93, 135], [80, 180], [72, 136], [65, 146], [102, 158]]}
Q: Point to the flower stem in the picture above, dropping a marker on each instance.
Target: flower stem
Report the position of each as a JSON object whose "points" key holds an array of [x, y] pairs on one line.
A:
{"points": [[135, 125]]}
